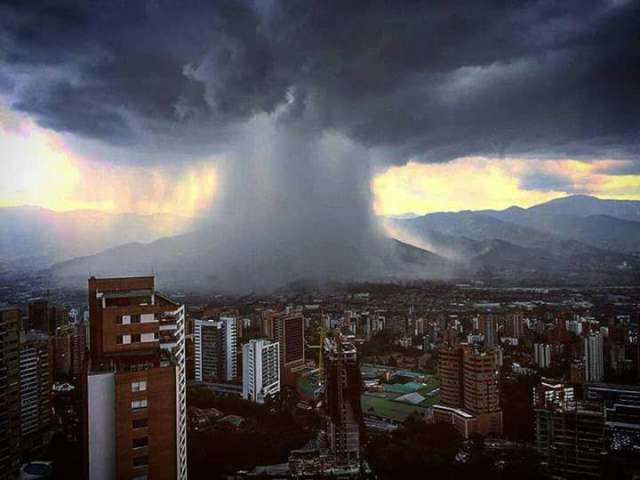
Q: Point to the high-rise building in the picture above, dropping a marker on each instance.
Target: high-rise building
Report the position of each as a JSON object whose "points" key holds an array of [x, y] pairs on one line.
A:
{"points": [[343, 390], [38, 315], [215, 349], [469, 382], [593, 357], [69, 347], [488, 327], [591, 438], [260, 370], [542, 354], [9, 392], [229, 326], [481, 393], [135, 391], [515, 325], [288, 330], [450, 375], [570, 439], [207, 350], [35, 391], [62, 351], [621, 404], [551, 395], [576, 372]]}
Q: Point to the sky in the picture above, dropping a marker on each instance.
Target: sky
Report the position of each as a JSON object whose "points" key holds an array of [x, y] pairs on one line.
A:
{"points": [[205, 108]]}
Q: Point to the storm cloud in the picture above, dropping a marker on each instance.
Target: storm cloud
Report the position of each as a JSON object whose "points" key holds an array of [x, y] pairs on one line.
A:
{"points": [[432, 80], [302, 100]]}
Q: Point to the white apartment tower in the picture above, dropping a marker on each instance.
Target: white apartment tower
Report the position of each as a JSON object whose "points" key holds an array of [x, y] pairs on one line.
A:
{"points": [[542, 354], [261, 369], [593, 357]]}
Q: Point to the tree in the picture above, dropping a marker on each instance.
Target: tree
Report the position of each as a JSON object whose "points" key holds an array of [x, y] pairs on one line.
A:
{"points": [[414, 450]]}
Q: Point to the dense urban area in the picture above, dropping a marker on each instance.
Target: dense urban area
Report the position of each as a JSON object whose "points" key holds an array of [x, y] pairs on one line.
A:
{"points": [[402, 380]]}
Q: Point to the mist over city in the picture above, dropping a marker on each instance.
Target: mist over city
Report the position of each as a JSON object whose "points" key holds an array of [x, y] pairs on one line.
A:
{"points": [[400, 238]]}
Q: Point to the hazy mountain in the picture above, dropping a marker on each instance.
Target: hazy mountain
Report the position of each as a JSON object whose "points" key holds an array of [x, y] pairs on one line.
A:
{"points": [[201, 261], [585, 205], [515, 244], [33, 238], [535, 243]]}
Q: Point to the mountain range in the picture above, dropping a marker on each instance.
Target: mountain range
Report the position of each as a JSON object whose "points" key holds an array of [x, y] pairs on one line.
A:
{"points": [[34, 238], [559, 241], [573, 240]]}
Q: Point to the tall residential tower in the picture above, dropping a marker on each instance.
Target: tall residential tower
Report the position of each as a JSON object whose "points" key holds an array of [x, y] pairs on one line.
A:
{"points": [[135, 389]]}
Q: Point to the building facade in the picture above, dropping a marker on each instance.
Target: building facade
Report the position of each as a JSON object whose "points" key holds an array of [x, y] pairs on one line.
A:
{"points": [[288, 330], [542, 355], [10, 320], [135, 390], [215, 349], [260, 370], [593, 357], [35, 392], [343, 390], [570, 440], [469, 382]]}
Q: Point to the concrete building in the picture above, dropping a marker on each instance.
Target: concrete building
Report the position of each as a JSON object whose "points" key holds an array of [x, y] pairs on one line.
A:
{"points": [[593, 357], [552, 395], [570, 440], [215, 350], [514, 325], [288, 330], [542, 355], [481, 392], [450, 376], [343, 407], [69, 348], [9, 392], [260, 370], [38, 315], [469, 381], [229, 327], [488, 327], [134, 414], [593, 438], [464, 422], [35, 392]]}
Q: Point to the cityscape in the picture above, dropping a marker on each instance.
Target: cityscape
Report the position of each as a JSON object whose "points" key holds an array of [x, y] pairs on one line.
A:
{"points": [[247, 239]]}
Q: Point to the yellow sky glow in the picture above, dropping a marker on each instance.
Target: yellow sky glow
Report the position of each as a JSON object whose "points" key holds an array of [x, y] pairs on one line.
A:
{"points": [[474, 183], [38, 168], [41, 170]]}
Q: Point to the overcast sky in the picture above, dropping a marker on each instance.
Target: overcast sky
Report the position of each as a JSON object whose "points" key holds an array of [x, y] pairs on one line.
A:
{"points": [[523, 101]]}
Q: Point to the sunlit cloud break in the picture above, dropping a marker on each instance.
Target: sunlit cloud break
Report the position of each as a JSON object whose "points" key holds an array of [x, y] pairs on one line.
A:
{"points": [[497, 183], [42, 170]]}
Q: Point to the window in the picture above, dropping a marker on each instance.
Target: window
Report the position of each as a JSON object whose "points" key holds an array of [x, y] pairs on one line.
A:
{"points": [[135, 318], [140, 442], [139, 423], [138, 404], [140, 386], [123, 339], [141, 461], [135, 338]]}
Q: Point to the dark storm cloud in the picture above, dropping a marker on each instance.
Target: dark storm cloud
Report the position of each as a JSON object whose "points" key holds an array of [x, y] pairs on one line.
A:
{"points": [[432, 80]]}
